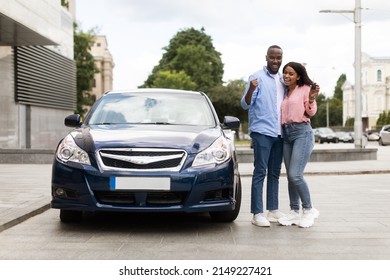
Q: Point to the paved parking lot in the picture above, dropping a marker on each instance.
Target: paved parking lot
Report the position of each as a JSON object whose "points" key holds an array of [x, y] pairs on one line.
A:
{"points": [[354, 223]]}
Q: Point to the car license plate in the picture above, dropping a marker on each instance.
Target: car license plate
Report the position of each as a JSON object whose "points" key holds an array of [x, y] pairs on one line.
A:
{"points": [[140, 183]]}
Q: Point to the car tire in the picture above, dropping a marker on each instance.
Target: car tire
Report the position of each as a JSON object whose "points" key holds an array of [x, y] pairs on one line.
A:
{"points": [[70, 216], [381, 142], [229, 216]]}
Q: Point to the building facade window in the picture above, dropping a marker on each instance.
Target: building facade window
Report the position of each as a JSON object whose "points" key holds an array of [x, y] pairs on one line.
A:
{"points": [[379, 75]]}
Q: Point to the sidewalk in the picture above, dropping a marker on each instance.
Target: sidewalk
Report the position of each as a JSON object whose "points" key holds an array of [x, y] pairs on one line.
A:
{"points": [[25, 188]]}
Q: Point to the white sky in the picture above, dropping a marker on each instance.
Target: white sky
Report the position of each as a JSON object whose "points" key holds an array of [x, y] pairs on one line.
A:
{"points": [[241, 31]]}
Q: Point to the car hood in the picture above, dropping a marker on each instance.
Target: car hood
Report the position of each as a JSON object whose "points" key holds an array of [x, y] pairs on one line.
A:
{"points": [[190, 138]]}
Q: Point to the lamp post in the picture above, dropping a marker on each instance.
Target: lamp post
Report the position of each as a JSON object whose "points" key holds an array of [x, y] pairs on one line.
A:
{"points": [[327, 112], [358, 126]]}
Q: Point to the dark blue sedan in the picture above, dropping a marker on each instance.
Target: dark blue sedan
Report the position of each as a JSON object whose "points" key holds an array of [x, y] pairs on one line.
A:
{"points": [[148, 150]]}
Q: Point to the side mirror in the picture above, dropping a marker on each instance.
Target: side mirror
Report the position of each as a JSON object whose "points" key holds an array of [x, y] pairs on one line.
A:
{"points": [[231, 122], [73, 120]]}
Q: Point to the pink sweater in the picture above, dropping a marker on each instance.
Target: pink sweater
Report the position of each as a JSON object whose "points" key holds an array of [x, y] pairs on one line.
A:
{"points": [[296, 108]]}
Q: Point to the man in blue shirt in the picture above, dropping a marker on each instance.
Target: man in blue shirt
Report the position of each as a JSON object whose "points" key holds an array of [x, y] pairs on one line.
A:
{"points": [[263, 96]]}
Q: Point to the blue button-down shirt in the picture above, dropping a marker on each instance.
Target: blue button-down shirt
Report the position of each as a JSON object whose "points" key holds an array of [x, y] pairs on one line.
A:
{"points": [[263, 109]]}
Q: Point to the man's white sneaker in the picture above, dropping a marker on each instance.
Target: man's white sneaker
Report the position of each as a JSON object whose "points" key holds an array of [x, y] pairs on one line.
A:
{"points": [[274, 215], [308, 216], [291, 218], [260, 221]]}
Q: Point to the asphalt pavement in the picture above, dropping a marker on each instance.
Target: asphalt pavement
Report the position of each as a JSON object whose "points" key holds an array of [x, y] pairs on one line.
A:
{"points": [[25, 188], [359, 188]]}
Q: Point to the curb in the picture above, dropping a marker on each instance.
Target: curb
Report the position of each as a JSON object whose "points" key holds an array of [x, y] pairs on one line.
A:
{"points": [[24, 217]]}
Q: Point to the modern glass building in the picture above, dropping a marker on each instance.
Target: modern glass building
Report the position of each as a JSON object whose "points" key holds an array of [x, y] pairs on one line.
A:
{"points": [[37, 72]]}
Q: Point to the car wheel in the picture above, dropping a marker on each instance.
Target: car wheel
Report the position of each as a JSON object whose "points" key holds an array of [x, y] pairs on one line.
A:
{"points": [[70, 216], [229, 216], [380, 142]]}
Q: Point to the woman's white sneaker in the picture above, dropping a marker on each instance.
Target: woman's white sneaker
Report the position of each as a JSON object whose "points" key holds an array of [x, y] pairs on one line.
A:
{"points": [[290, 219], [316, 213], [308, 216]]}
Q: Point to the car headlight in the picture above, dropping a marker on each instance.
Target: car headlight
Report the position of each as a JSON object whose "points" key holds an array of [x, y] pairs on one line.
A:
{"points": [[217, 153], [69, 151]]}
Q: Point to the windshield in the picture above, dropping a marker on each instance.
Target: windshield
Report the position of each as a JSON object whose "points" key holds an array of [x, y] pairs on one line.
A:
{"points": [[152, 108]]}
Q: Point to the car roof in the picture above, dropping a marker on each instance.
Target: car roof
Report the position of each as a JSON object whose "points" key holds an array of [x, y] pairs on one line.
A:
{"points": [[156, 90]]}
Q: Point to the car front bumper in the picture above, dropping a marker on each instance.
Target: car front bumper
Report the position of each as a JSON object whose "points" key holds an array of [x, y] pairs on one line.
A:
{"points": [[85, 188]]}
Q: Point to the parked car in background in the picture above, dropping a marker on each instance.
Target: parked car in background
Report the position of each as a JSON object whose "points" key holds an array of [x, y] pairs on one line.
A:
{"points": [[148, 150], [344, 137], [325, 134], [384, 135], [372, 136], [364, 138]]}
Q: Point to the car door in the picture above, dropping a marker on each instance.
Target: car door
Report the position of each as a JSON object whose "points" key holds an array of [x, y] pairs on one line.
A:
{"points": [[386, 135]]}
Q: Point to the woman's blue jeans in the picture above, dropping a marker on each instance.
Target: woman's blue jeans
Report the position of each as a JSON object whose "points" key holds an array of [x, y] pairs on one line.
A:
{"points": [[268, 152], [297, 147]]}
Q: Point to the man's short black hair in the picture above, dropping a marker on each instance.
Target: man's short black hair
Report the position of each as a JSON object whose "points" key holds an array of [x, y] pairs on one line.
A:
{"points": [[274, 47]]}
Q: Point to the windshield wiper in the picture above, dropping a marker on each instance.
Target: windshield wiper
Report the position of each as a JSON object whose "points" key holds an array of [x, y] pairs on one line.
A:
{"points": [[159, 123]]}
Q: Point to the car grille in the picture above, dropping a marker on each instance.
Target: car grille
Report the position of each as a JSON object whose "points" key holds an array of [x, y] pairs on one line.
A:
{"points": [[133, 199], [141, 159]]}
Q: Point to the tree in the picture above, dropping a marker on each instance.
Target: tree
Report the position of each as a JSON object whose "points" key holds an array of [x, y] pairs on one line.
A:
{"points": [[336, 103], [173, 79], [226, 99], [86, 68], [338, 91], [350, 122], [331, 108], [191, 51], [65, 4], [335, 112], [384, 118], [319, 119]]}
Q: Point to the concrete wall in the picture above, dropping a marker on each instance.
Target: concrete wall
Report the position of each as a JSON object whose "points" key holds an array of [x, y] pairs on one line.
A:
{"points": [[47, 127], [246, 155], [43, 22], [9, 117], [44, 17]]}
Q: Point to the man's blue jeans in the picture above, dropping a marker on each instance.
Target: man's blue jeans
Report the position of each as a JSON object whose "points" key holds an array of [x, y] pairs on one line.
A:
{"points": [[268, 152], [298, 145]]}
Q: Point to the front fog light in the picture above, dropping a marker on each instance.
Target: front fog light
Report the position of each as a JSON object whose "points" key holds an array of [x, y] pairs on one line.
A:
{"points": [[60, 192]]}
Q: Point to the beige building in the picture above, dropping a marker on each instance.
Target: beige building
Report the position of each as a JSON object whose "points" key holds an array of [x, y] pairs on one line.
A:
{"points": [[104, 62], [375, 91]]}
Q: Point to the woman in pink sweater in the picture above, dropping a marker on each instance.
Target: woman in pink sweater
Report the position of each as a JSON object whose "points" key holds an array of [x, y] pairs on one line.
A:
{"points": [[297, 107]]}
